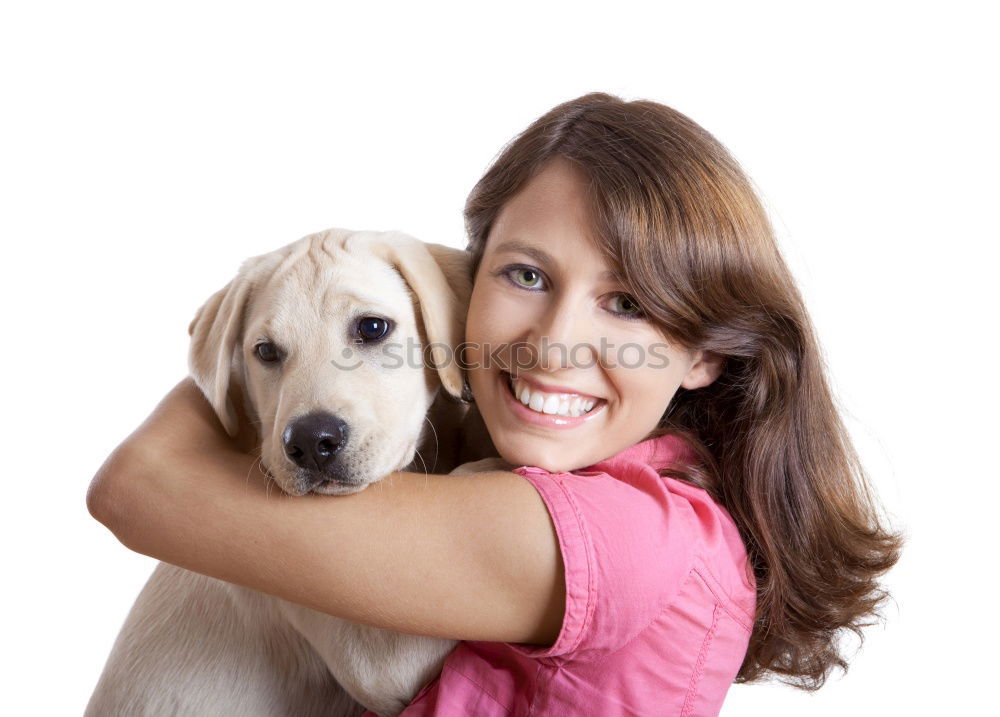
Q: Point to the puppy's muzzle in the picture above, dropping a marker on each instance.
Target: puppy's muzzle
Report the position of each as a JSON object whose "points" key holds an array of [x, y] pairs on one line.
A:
{"points": [[312, 441]]}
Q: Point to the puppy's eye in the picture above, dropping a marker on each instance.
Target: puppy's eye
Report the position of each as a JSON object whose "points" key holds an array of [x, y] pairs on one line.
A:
{"points": [[267, 352], [372, 328]]}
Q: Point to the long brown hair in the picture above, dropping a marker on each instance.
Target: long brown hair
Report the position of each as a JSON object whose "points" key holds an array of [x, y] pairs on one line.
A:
{"points": [[678, 218]]}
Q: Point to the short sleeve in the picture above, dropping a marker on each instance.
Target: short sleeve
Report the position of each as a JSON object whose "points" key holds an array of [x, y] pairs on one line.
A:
{"points": [[627, 542]]}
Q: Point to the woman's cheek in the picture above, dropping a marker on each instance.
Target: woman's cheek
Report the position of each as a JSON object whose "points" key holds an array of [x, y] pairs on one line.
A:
{"points": [[491, 317], [477, 321]]}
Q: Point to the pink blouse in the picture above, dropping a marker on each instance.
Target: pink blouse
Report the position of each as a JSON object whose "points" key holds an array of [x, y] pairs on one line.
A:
{"points": [[660, 601]]}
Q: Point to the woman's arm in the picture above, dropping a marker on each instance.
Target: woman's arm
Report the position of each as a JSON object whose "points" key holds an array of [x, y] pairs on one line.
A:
{"points": [[472, 557]]}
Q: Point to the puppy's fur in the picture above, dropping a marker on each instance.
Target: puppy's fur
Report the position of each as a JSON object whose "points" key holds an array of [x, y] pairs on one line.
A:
{"points": [[193, 645]]}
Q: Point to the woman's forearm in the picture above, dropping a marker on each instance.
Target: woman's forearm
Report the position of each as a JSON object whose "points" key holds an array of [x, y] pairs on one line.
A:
{"points": [[392, 555]]}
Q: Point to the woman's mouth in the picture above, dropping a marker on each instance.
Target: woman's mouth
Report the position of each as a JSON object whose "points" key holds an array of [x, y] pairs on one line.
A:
{"points": [[557, 404]]}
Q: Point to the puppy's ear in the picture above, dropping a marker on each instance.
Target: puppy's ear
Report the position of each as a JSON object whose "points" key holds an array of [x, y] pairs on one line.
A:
{"points": [[440, 277], [216, 332]]}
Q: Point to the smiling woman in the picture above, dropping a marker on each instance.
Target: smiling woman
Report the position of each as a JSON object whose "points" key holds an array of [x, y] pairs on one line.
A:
{"points": [[685, 508], [542, 284]]}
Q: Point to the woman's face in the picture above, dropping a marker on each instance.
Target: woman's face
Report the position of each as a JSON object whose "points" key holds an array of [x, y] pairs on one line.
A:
{"points": [[550, 326]]}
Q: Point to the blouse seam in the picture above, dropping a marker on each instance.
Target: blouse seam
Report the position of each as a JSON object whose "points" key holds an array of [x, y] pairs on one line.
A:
{"points": [[541, 674], [479, 686], [725, 602], [710, 568], [549, 489], [581, 524], [699, 665], [665, 607], [667, 604]]}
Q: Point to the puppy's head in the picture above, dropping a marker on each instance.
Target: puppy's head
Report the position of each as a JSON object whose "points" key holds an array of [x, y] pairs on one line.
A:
{"points": [[338, 344]]}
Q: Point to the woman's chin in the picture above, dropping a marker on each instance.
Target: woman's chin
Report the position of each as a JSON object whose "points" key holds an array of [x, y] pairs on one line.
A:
{"points": [[539, 459]]}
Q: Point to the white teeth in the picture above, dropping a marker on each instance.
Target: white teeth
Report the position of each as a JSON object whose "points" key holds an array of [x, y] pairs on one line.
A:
{"points": [[561, 404], [537, 402]]}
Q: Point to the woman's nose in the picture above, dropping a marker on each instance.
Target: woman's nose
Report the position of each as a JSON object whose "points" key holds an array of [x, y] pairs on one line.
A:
{"points": [[564, 336]]}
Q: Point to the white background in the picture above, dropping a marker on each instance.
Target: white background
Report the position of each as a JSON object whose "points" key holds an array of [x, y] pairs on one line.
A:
{"points": [[147, 149]]}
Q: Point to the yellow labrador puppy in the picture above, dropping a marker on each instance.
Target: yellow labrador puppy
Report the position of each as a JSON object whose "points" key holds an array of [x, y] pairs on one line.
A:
{"points": [[327, 341]]}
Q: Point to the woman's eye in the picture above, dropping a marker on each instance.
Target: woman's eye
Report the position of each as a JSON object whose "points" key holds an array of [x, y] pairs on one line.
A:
{"points": [[267, 352], [625, 305], [526, 277], [372, 328]]}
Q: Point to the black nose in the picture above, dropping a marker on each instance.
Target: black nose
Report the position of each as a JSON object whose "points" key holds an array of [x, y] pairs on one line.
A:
{"points": [[312, 440]]}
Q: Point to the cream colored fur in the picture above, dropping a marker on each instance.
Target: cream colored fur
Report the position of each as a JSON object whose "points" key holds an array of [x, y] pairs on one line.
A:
{"points": [[193, 645]]}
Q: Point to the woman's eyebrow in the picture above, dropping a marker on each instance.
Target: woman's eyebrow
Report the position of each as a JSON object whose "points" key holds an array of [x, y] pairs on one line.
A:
{"points": [[535, 253], [543, 257]]}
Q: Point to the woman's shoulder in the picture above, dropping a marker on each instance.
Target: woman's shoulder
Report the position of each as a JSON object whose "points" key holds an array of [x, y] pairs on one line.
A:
{"points": [[719, 544], [631, 540], [662, 521]]}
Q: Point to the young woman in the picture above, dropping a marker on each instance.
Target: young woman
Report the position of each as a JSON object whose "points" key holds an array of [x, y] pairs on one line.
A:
{"points": [[687, 508]]}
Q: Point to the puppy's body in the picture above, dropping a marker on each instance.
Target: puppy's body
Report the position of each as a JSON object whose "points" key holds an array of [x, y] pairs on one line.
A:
{"points": [[193, 645]]}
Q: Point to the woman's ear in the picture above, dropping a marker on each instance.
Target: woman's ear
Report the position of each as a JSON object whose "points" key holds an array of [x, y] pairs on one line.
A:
{"points": [[707, 367]]}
